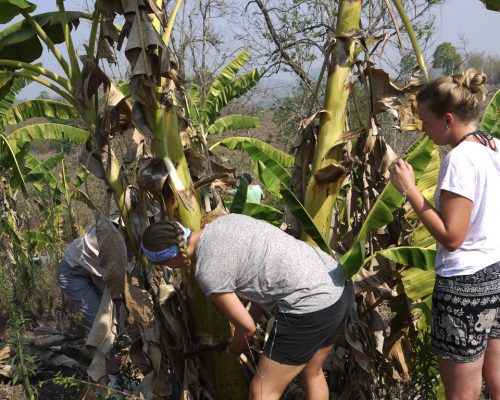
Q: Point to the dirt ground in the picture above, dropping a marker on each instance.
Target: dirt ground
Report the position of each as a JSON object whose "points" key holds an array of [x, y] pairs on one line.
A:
{"points": [[45, 391]]}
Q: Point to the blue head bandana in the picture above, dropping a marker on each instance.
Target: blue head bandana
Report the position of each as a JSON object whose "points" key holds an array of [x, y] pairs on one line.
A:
{"points": [[169, 252]]}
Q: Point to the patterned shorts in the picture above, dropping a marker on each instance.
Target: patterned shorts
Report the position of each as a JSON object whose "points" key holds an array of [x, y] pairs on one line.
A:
{"points": [[465, 314]]}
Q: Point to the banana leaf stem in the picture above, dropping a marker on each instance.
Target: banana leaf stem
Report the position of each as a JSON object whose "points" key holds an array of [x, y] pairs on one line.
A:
{"points": [[75, 68], [412, 36], [171, 20], [50, 44], [39, 70], [93, 34], [51, 86]]}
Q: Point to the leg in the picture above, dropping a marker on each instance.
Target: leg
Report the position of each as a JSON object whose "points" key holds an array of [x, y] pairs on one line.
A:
{"points": [[272, 378], [491, 368], [77, 284], [313, 377], [462, 381]]}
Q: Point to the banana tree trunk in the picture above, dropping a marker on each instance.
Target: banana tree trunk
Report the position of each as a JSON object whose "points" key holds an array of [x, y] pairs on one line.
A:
{"points": [[211, 326], [323, 187]]}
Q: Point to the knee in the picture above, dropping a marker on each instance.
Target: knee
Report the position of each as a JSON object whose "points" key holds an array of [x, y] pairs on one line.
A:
{"points": [[309, 373], [258, 390]]}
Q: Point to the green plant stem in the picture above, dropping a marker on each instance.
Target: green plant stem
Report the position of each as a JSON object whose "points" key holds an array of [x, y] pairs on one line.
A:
{"points": [[50, 44], [320, 197], [51, 86], [39, 70], [74, 72], [412, 36], [93, 34], [171, 20]]}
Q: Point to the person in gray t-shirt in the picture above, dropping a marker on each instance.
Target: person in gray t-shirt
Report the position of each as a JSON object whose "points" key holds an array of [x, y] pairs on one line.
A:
{"points": [[240, 258]]}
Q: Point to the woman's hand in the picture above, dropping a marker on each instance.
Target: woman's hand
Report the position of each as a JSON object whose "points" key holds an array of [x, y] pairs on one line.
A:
{"points": [[244, 326], [402, 176]]}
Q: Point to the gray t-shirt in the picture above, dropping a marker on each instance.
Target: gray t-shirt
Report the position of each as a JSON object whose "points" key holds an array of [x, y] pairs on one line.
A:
{"points": [[263, 264]]}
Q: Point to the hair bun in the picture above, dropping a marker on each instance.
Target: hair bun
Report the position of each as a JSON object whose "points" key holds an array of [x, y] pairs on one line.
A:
{"points": [[472, 80]]}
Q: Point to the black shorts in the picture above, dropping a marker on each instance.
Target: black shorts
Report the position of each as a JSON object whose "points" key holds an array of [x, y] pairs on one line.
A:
{"points": [[295, 338], [465, 314]]}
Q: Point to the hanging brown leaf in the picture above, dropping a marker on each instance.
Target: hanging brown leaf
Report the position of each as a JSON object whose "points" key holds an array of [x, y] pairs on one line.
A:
{"points": [[112, 255], [137, 148], [117, 112], [153, 175], [101, 337], [90, 79], [104, 51], [201, 171]]}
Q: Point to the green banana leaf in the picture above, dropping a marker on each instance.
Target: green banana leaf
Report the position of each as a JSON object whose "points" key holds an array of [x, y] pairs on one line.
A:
{"points": [[7, 227], [9, 156], [235, 143], [242, 84], [6, 81], [263, 212], [240, 198], [424, 308], [20, 42], [234, 89], [194, 104], [269, 163], [429, 177], [233, 123], [40, 175], [37, 238], [381, 212], [421, 237], [418, 283], [38, 109], [13, 85], [308, 225], [12, 8], [80, 177], [49, 131], [271, 182], [412, 256], [221, 92], [493, 5], [491, 118]]}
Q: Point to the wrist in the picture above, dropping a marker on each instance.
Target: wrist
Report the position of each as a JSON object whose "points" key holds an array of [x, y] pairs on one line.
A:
{"points": [[405, 192], [230, 350]]}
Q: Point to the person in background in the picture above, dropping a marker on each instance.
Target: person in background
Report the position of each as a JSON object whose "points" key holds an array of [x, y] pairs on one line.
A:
{"points": [[238, 257], [80, 276], [465, 222], [254, 191]]}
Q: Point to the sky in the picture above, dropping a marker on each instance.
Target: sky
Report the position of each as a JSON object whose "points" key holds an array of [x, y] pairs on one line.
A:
{"points": [[469, 18], [455, 18]]}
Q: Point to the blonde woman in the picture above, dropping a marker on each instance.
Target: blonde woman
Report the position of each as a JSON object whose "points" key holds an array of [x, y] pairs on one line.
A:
{"points": [[466, 225], [237, 257]]}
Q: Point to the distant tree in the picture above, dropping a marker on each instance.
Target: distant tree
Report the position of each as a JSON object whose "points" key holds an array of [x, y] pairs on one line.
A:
{"points": [[406, 64], [489, 64], [446, 58], [43, 95]]}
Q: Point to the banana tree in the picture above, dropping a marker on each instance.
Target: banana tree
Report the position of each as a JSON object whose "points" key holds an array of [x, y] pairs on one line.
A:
{"points": [[204, 113]]}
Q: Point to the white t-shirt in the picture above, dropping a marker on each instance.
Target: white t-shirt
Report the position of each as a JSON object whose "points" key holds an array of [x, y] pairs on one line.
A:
{"points": [[472, 170]]}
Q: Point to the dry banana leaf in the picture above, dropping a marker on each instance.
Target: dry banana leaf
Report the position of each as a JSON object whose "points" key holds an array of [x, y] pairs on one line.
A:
{"points": [[112, 255]]}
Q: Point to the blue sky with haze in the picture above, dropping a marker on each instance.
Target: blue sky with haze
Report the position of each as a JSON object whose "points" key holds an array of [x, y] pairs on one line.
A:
{"points": [[468, 18]]}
